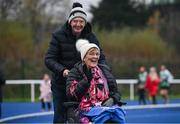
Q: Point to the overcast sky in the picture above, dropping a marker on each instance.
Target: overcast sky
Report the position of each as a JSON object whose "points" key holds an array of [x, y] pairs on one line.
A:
{"points": [[86, 4]]}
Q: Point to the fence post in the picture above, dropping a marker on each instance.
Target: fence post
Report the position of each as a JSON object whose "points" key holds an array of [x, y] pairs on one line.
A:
{"points": [[32, 92], [131, 91]]}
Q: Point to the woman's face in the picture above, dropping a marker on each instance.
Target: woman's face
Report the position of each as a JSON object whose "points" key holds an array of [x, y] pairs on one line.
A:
{"points": [[92, 57], [77, 25], [152, 70], [46, 77]]}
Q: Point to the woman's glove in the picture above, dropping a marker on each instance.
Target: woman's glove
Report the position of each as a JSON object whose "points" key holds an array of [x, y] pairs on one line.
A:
{"points": [[87, 73], [109, 102]]}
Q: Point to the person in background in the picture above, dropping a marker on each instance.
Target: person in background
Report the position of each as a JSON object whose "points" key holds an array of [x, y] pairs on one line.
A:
{"points": [[152, 84], [94, 88], [141, 85], [45, 93], [62, 55], [166, 77], [2, 82]]}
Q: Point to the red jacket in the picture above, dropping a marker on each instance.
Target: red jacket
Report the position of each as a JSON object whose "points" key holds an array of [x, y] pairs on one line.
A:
{"points": [[152, 85]]}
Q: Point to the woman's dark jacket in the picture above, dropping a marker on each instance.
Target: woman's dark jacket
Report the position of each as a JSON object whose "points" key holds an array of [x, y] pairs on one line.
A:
{"points": [[62, 53], [77, 74]]}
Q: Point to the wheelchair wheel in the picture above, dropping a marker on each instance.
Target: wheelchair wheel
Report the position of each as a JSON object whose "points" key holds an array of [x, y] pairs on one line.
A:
{"points": [[73, 115]]}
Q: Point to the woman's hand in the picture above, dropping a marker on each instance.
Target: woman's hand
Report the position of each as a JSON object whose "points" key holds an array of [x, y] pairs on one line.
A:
{"points": [[87, 72]]}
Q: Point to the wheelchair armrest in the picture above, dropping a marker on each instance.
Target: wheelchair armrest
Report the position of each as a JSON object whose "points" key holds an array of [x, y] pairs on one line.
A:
{"points": [[71, 104]]}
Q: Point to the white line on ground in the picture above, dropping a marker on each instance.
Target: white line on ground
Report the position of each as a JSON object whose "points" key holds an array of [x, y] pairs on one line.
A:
{"points": [[26, 116], [151, 106], [124, 107]]}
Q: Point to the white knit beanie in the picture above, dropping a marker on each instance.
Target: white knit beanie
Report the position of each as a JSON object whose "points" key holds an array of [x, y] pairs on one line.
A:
{"points": [[77, 11], [83, 45]]}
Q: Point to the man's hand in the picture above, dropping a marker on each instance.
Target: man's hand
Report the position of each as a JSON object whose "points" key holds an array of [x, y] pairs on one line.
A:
{"points": [[65, 73]]}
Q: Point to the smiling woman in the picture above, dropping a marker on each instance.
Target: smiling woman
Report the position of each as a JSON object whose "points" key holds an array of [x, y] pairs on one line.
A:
{"points": [[94, 87], [92, 58], [90, 53]]}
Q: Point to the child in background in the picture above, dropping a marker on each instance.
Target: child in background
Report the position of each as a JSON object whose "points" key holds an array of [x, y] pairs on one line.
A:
{"points": [[45, 92]]}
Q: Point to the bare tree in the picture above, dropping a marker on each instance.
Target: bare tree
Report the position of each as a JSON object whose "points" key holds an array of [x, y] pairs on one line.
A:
{"points": [[37, 14], [41, 13], [9, 9]]}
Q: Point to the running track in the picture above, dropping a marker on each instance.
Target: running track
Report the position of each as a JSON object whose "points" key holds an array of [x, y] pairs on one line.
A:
{"points": [[31, 113]]}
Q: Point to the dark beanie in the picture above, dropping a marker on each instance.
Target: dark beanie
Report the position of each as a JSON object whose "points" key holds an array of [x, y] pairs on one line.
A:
{"points": [[77, 11]]}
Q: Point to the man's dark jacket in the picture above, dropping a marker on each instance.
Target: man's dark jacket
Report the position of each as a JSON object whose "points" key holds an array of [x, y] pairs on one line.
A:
{"points": [[62, 53], [2, 79], [2, 82]]}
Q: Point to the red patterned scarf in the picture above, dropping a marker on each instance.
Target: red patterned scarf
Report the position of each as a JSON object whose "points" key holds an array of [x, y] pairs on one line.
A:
{"points": [[97, 92]]}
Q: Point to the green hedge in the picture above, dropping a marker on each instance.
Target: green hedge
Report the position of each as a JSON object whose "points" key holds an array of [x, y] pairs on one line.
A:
{"points": [[128, 48]]}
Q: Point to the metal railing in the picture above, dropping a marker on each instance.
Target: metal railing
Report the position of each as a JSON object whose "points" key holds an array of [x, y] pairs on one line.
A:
{"points": [[32, 83]]}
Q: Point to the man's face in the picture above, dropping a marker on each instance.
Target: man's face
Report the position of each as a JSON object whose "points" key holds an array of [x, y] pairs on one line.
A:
{"points": [[92, 57], [77, 25]]}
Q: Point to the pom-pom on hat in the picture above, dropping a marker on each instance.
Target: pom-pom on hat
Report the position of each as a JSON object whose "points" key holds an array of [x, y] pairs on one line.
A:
{"points": [[83, 45], [77, 11]]}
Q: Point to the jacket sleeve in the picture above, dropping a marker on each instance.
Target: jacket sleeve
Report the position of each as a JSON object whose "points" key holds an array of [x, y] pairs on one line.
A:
{"points": [[76, 85], [52, 55], [112, 84]]}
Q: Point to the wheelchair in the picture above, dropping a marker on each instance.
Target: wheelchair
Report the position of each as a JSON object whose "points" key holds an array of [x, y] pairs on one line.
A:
{"points": [[72, 112]]}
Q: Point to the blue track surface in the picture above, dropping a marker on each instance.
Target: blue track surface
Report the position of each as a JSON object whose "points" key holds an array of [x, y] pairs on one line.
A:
{"points": [[158, 115], [143, 115], [36, 119]]}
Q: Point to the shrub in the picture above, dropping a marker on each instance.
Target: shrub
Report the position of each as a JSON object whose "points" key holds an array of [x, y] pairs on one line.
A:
{"points": [[127, 49]]}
